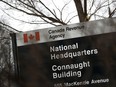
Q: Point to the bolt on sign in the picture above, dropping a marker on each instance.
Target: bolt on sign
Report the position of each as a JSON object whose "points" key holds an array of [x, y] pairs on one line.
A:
{"points": [[77, 55]]}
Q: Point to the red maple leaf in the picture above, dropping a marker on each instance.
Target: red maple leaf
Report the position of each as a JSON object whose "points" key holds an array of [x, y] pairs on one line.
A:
{"points": [[31, 37]]}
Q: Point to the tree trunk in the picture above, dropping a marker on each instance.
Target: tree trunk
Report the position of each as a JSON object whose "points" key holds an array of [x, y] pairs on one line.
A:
{"points": [[82, 14]]}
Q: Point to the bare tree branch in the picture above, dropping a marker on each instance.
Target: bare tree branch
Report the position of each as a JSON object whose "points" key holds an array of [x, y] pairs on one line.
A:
{"points": [[99, 16], [20, 9], [67, 17], [63, 10], [92, 5], [100, 7], [31, 7], [48, 22], [81, 14], [112, 13], [48, 9], [85, 7], [34, 12], [55, 6], [9, 27], [39, 22], [71, 19]]}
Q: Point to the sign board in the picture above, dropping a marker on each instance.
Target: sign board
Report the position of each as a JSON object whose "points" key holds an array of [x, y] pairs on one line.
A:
{"points": [[77, 55]]}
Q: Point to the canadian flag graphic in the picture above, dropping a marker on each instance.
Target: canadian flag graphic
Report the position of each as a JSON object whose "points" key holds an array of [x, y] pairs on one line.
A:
{"points": [[31, 37]]}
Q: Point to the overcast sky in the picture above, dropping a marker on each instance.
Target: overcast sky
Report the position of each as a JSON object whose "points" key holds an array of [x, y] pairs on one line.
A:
{"points": [[25, 26], [70, 9]]}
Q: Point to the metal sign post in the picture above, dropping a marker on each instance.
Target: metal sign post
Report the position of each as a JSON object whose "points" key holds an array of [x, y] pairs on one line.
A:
{"points": [[77, 55]]}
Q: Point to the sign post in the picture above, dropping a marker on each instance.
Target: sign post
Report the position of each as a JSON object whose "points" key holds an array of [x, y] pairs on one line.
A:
{"points": [[78, 55]]}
